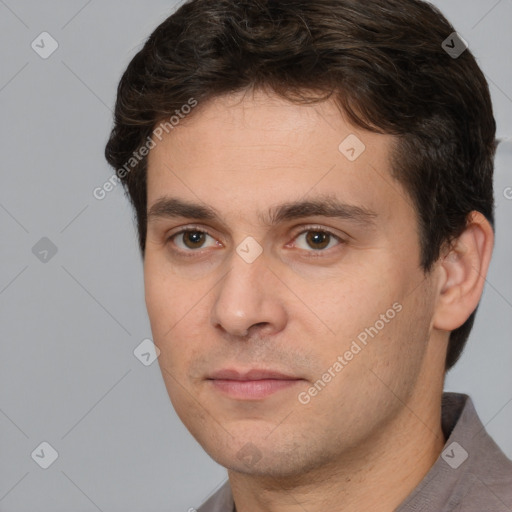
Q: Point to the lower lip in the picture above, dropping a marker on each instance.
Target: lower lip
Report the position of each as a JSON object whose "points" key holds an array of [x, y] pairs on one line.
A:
{"points": [[252, 389]]}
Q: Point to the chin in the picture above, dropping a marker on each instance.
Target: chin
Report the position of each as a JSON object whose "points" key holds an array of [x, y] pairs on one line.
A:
{"points": [[263, 457]]}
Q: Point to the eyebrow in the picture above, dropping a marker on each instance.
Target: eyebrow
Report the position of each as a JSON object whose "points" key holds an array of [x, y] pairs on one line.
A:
{"points": [[323, 206]]}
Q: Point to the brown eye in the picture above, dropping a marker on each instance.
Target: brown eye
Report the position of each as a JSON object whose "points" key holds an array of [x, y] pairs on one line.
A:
{"points": [[317, 239], [193, 239], [190, 240]]}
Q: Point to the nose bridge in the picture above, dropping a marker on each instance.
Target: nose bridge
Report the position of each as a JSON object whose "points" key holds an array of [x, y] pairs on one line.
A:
{"points": [[246, 297]]}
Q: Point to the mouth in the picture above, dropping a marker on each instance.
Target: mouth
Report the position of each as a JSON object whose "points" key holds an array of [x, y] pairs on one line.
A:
{"points": [[254, 384]]}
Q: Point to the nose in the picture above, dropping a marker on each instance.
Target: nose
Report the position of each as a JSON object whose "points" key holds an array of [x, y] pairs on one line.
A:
{"points": [[249, 300]]}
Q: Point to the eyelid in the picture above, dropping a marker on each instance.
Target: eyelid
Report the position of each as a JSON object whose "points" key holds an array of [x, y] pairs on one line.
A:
{"points": [[187, 229], [184, 229], [315, 228], [303, 229], [321, 229]]}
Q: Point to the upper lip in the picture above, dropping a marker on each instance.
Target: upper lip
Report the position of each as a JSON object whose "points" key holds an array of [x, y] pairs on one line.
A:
{"points": [[252, 374]]}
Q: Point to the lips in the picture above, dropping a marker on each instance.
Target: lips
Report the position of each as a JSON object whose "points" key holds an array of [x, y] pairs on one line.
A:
{"points": [[253, 374], [253, 384]]}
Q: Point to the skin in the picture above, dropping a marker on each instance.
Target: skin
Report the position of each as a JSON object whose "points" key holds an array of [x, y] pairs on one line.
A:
{"points": [[376, 425]]}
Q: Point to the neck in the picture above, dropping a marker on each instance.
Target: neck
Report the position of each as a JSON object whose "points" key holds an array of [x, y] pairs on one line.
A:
{"points": [[376, 476]]}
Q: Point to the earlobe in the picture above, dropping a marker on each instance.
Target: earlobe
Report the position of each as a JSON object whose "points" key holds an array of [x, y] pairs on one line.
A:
{"points": [[462, 271]]}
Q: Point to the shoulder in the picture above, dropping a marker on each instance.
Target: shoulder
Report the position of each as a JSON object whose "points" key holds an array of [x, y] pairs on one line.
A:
{"points": [[491, 476], [485, 472]]}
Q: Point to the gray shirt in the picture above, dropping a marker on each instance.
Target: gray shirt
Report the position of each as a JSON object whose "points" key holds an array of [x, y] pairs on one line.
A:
{"points": [[472, 474]]}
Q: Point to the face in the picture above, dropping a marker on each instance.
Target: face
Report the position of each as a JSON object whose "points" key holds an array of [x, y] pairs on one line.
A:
{"points": [[283, 283]]}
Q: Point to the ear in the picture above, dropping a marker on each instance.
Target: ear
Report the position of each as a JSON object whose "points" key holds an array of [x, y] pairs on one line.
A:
{"points": [[462, 273]]}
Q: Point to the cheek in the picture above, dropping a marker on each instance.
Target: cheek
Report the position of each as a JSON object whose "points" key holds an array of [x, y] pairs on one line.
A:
{"points": [[177, 315], [332, 300], [351, 308], [165, 295], [396, 353], [376, 318], [159, 304], [165, 311]]}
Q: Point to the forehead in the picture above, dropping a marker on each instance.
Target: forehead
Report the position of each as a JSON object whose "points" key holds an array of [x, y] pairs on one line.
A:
{"points": [[244, 152]]}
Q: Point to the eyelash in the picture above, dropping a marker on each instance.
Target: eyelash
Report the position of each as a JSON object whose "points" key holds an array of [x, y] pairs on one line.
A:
{"points": [[315, 253]]}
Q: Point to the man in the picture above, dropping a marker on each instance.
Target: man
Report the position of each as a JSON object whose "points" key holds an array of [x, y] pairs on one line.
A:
{"points": [[312, 181]]}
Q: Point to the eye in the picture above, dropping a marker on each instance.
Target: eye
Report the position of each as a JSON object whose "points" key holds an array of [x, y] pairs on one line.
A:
{"points": [[192, 240], [189, 240], [318, 239]]}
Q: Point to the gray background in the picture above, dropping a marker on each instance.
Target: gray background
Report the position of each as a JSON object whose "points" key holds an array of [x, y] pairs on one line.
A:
{"points": [[69, 325]]}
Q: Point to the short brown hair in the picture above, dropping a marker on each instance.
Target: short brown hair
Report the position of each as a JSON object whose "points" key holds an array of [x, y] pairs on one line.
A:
{"points": [[381, 60]]}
